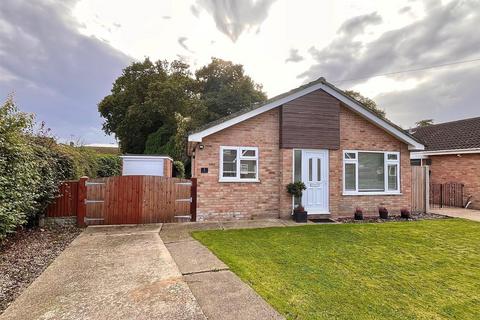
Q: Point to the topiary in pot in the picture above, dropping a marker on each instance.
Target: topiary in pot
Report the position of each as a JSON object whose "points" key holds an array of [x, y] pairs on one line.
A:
{"points": [[383, 212], [358, 213], [296, 190], [405, 213]]}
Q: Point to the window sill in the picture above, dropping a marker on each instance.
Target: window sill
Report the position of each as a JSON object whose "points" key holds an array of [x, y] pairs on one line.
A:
{"points": [[345, 193], [239, 180]]}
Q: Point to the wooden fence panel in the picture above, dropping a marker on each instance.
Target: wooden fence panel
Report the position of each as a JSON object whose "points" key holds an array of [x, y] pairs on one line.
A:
{"points": [[420, 188], [66, 203]]}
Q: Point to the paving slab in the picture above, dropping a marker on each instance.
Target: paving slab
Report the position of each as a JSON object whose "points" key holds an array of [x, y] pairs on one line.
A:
{"points": [[174, 232], [192, 256], [117, 273], [224, 296]]}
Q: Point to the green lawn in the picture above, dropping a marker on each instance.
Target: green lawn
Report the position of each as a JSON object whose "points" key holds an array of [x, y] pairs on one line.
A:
{"points": [[399, 270]]}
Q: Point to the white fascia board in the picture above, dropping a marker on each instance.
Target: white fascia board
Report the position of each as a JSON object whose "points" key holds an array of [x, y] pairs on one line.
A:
{"points": [[143, 158], [412, 143], [425, 154]]}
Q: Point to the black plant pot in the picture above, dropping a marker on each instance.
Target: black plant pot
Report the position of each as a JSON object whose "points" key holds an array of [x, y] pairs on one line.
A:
{"points": [[358, 216], [383, 214], [300, 216], [405, 214]]}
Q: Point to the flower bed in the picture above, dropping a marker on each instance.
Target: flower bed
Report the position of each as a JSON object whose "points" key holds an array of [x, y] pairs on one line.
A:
{"points": [[391, 218]]}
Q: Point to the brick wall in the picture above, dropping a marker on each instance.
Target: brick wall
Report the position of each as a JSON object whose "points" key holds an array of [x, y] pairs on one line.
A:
{"points": [[240, 200], [464, 169], [357, 133], [268, 198]]}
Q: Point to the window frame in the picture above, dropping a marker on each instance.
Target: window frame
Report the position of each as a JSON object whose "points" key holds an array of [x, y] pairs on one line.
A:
{"points": [[386, 162], [239, 150]]}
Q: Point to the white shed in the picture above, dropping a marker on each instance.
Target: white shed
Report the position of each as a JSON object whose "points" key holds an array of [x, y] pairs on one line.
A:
{"points": [[146, 165]]}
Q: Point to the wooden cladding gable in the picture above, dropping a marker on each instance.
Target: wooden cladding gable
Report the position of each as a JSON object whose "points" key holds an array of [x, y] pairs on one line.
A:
{"points": [[311, 121]]}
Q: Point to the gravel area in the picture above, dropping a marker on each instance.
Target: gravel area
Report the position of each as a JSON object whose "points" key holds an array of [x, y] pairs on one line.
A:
{"points": [[24, 256], [392, 218]]}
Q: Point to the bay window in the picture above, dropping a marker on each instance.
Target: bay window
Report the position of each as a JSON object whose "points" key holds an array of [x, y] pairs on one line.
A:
{"points": [[371, 172], [238, 164]]}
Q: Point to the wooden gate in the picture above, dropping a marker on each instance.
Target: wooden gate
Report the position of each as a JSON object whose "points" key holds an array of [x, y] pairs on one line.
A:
{"points": [[446, 195], [136, 199], [420, 188]]}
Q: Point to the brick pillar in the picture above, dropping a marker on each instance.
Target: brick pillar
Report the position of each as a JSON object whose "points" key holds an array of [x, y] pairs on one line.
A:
{"points": [[286, 176]]}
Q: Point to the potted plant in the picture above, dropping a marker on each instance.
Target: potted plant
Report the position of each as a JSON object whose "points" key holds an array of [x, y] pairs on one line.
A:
{"points": [[358, 214], [383, 212], [405, 213], [299, 214], [296, 190]]}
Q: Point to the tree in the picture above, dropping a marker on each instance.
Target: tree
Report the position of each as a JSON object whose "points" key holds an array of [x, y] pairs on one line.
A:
{"points": [[144, 99], [226, 89], [424, 123], [152, 106], [367, 102]]}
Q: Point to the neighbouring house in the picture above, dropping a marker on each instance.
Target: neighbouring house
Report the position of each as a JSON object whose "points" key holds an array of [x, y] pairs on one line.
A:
{"points": [[147, 165], [346, 155], [452, 150]]}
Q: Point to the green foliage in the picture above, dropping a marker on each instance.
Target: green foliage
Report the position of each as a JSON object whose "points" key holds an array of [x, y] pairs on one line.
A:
{"points": [[153, 105], [19, 177], [397, 270], [296, 188], [367, 102], [226, 89], [424, 123], [145, 98], [109, 165], [179, 169]]}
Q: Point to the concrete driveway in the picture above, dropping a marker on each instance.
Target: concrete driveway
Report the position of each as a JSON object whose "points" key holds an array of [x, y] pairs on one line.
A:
{"points": [[122, 272], [469, 214]]}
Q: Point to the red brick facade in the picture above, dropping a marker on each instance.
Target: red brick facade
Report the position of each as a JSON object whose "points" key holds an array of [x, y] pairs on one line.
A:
{"points": [[268, 198], [464, 168]]}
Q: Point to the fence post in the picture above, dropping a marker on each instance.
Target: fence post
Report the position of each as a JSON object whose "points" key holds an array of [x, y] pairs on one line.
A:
{"points": [[81, 205], [427, 189], [193, 204]]}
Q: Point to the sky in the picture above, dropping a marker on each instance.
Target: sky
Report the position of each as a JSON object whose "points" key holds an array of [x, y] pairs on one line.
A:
{"points": [[60, 58]]}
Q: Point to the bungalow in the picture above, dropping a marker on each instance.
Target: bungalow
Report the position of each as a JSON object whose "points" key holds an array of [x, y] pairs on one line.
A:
{"points": [[346, 155], [452, 150]]}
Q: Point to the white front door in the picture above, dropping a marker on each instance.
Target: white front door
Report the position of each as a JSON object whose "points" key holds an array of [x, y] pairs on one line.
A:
{"points": [[315, 177]]}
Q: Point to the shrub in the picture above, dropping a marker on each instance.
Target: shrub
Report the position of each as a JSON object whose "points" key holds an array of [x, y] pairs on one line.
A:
{"points": [[179, 169], [358, 213], [296, 188], [108, 165], [405, 213], [383, 212], [19, 177]]}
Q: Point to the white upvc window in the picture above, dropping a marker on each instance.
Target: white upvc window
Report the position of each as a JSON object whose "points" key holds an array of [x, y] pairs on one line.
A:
{"points": [[371, 172], [238, 164]]}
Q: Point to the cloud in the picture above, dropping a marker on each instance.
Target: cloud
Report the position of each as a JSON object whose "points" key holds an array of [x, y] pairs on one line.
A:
{"points": [[294, 56], [182, 41], [438, 38], [405, 10], [55, 71], [357, 25], [234, 17]]}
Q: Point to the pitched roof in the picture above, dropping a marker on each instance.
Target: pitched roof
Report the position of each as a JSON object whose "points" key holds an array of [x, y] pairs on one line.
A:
{"points": [[283, 98], [455, 135]]}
